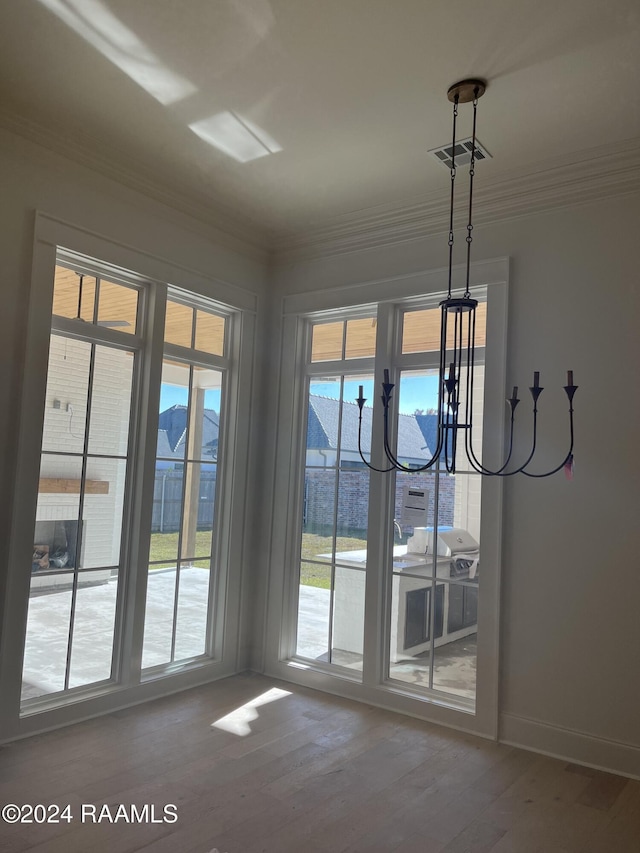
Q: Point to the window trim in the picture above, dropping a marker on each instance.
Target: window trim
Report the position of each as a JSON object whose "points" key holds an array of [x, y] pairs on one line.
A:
{"points": [[333, 304], [54, 240]]}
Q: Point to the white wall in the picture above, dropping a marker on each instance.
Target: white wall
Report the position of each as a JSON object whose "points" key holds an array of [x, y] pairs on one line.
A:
{"points": [[571, 580]]}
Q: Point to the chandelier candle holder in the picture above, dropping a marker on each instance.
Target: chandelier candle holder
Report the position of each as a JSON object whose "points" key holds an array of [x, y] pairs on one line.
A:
{"points": [[455, 427]]}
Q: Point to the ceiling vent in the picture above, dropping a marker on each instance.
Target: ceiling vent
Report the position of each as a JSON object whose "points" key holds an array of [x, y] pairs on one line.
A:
{"points": [[463, 152]]}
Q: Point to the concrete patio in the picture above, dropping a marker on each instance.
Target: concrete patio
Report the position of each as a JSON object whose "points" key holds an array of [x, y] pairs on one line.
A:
{"points": [[47, 636]]}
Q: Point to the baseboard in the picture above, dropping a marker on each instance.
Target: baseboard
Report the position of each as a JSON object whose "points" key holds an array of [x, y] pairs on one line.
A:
{"points": [[578, 747]]}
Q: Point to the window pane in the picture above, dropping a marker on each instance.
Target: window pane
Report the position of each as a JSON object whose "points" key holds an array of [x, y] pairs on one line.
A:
{"points": [[313, 611], [350, 420], [361, 338], [93, 627], [455, 660], [102, 511], [326, 341], [178, 324], [189, 421], [415, 496], [111, 401], [46, 644], [66, 397], [158, 620], [318, 511], [351, 522], [354, 438], [118, 307], [174, 403], [411, 628], [210, 329], [67, 300], [348, 617], [197, 520], [193, 601], [167, 514], [204, 415], [421, 329], [322, 423], [58, 500]]}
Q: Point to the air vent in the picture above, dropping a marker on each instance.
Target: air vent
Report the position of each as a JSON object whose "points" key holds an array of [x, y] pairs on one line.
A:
{"points": [[463, 153]]}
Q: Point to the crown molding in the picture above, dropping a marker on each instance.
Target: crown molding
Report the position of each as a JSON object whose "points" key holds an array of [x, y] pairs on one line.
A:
{"points": [[582, 177], [591, 175], [232, 229]]}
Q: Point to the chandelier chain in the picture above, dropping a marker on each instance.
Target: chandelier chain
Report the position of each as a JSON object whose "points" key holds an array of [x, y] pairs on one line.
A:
{"points": [[453, 184], [472, 171]]}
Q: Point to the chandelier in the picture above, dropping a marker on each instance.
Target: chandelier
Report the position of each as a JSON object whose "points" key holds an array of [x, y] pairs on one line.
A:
{"points": [[455, 426]]}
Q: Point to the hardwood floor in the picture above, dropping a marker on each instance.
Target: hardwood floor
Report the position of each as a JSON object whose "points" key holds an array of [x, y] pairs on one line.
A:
{"points": [[252, 765]]}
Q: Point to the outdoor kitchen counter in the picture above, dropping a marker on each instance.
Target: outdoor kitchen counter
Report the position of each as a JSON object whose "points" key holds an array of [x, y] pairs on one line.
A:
{"points": [[404, 563], [412, 574]]}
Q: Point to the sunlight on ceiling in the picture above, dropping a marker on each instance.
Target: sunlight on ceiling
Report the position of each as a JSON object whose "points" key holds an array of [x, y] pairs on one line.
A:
{"points": [[235, 136], [237, 722], [97, 24]]}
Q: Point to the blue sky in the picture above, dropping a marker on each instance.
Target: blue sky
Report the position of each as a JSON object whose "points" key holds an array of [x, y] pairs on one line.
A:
{"points": [[176, 395], [417, 392]]}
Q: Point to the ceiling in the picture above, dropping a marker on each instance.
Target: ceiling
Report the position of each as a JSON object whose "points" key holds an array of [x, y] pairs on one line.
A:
{"points": [[341, 98]]}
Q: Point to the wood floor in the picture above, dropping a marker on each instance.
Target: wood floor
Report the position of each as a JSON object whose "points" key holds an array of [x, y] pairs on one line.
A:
{"points": [[252, 765]]}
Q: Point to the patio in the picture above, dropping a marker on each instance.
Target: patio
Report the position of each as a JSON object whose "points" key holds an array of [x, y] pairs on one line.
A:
{"points": [[47, 635]]}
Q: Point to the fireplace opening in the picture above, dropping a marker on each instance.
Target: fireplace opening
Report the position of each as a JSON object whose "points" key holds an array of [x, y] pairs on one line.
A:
{"points": [[55, 545]]}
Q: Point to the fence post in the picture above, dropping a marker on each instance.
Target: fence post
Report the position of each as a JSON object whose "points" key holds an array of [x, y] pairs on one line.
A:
{"points": [[164, 480]]}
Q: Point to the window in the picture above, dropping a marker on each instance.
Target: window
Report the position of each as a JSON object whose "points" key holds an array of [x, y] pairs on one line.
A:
{"points": [[82, 614], [429, 647], [83, 486], [390, 579], [180, 579]]}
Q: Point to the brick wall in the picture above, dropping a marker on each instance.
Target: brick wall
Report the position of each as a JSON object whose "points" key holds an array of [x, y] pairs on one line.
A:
{"points": [[353, 497]]}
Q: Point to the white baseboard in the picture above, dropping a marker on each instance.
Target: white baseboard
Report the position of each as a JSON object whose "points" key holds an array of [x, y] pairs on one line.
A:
{"points": [[566, 744]]}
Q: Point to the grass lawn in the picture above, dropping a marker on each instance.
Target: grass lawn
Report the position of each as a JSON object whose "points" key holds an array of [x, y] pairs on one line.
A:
{"points": [[313, 544], [164, 546]]}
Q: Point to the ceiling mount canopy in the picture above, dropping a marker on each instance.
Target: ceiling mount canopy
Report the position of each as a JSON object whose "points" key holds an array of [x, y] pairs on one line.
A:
{"points": [[467, 90], [455, 426]]}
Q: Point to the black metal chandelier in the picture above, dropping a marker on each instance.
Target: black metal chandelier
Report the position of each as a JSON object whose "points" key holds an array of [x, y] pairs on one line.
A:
{"points": [[457, 360]]}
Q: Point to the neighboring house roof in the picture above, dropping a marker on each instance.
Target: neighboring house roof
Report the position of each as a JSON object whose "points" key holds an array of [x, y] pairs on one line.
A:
{"points": [[322, 429], [429, 428], [172, 429], [163, 446]]}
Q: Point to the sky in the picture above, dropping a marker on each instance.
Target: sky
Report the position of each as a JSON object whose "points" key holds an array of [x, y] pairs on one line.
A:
{"points": [[417, 392], [176, 395]]}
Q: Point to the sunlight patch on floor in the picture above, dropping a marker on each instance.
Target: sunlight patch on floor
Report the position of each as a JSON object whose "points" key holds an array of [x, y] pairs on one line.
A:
{"points": [[238, 721]]}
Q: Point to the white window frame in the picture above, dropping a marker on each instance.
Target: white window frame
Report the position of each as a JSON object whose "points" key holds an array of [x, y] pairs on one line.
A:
{"points": [[51, 239], [336, 304]]}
